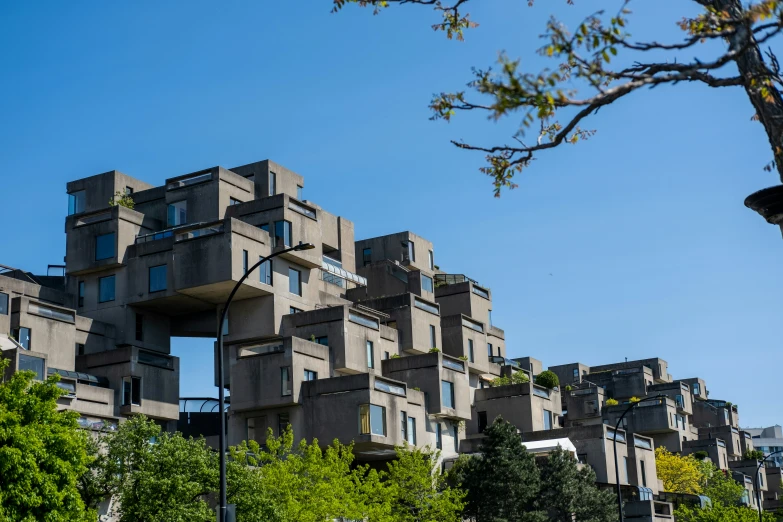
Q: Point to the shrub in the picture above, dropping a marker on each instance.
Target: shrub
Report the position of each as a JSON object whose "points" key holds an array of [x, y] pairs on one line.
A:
{"points": [[395, 356], [518, 377], [547, 379], [121, 199], [568, 387], [463, 357], [612, 402], [753, 455], [700, 455], [434, 350], [634, 400]]}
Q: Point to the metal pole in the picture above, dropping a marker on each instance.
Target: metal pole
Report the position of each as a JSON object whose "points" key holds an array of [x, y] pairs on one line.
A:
{"points": [[758, 482], [223, 508], [616, 460]]}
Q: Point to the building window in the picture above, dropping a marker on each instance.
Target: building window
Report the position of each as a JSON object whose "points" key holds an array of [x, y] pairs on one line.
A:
{"points": [[139, 327], [79, 349], [131, 391], [447, 393], [404, 425], [489, 349], [431, 260], [370, 355], [323, 340], [282, 233], [157, 278], [177, 214], [310, 375], [438, 437], [366, 256], [489, 317], [547, 420], [482, 421], [104, 246], [33, 364], [294, 281], [265, 271], [455, 434], [471, 358], [426, 283], [299, 191], [696, 388], [233, 201], [386, 355], [625, 464], [576, 374], [3, 304], [372, 419], [283, 421], [80, 296], [106, 289], [433, 344], [244, 261], [272, 183], [294, 310], [76, 202], [411, 431], [128, 191], [643, 473], [285, 380], [410, 252]]}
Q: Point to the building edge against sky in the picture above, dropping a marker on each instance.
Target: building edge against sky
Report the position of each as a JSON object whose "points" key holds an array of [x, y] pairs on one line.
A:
{"points": [[365, 341]]}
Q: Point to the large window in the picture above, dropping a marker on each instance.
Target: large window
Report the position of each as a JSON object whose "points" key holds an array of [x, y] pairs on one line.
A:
{"points": [[283, 421], [3, 304], [265, 271], [272, 183], [411, 431], [139, 327], [363, 320], [131, 391], [282, 233], [157, 278], [81, 294], [482, 421], [547, 420], [310, 375], [447, 392], [372, 419], [366, 256], [106, 289], [426, 283], [104, 246], [177, 213], [285, 380], [76, 202], [433, 339], [471, 358], [34, 364], [294, 281], [370, 355]]}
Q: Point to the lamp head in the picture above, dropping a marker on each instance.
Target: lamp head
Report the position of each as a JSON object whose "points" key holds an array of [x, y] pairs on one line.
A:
{"points": [[304, 246]]}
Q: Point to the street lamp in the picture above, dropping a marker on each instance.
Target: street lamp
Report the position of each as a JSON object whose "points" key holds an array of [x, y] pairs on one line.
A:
{"points": [[222, 511], [758, 486], [616, 462]]}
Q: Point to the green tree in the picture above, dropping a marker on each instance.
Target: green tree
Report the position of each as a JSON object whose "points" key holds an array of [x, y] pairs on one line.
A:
{"points": [[720, 487], [569, 493], [505, 461], [555, 102], [418, 491], [720, 513], [155, 475], [547, 379], [42, 453], [680, 474]]}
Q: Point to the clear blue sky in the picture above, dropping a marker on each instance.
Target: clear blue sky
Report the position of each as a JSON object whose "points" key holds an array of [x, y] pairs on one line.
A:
{"points": [[634, 244]]}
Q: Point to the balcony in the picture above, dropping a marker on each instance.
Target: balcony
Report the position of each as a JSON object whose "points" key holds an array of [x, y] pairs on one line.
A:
{"points": [[366, 410], [527, 406], [649, 417], [442, 378]]}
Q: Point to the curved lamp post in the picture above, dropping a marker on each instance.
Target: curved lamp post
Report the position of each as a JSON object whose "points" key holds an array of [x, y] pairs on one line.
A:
{"points": [[221, 377], [758, 486], [616, 462]]}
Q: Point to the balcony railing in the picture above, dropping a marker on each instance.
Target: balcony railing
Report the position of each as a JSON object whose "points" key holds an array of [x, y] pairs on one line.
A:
{"points": [[196, 178], [504, 362], [452, 279]]}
